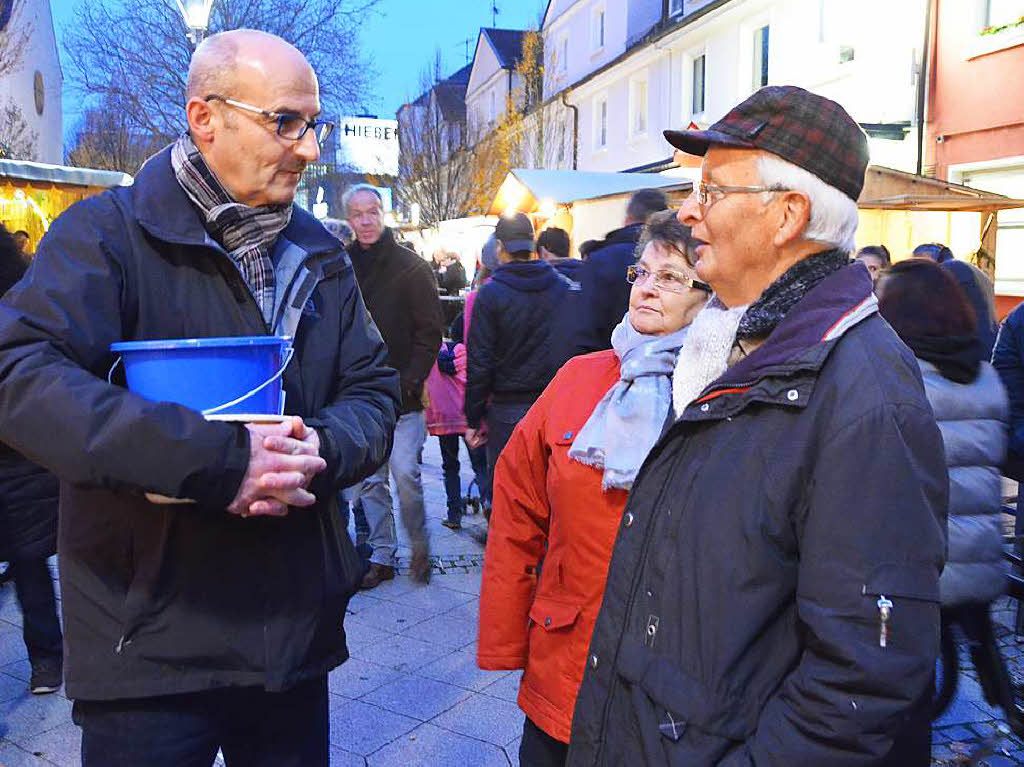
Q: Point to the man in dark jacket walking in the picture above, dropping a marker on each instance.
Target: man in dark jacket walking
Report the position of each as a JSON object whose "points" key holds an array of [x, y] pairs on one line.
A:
{"points": [[513, 350], [773, 595], [553, 247], [28, 531], [196, 626], [605, 295], [401, 295]]}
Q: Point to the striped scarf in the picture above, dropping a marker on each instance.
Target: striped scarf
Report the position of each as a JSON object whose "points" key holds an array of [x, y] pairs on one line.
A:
{"points": [[245, 232]]}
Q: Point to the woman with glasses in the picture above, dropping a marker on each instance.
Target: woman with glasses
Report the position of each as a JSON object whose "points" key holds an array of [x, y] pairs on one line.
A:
{"points": [[561, 485]]}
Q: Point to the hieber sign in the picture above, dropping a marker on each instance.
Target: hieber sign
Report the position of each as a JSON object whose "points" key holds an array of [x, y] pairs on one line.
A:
{"points": [[368, 145]]}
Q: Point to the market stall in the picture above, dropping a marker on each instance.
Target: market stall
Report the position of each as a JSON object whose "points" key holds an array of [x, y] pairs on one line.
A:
{"points": [[33, 194]]}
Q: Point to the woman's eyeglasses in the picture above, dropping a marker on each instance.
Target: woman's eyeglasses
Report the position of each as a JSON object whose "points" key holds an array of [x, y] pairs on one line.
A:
{"points": [[673, 282]]}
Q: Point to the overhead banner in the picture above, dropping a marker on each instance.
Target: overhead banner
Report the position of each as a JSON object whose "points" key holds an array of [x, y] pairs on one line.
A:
{"points": [[368, 145]]}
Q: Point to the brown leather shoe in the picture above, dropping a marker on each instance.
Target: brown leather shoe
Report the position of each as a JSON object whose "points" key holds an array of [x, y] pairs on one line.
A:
{"points": [[376, 575], [419, 568]]}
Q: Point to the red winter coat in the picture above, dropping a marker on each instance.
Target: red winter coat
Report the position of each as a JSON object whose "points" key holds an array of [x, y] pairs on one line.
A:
{"points": [[540, 495]]}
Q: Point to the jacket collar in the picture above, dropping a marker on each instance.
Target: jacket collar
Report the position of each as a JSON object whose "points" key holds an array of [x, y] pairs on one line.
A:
{"points": [[806, 335], [381, 248], [629, 233], [163, 209]]}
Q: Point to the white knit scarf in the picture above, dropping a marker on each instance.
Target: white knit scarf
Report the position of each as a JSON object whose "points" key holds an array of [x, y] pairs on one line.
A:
{"points": [[704, 355]]}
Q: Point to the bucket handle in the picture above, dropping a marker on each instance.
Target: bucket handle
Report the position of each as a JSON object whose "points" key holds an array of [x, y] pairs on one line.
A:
{"points": [[287, 358], [110, 373]]}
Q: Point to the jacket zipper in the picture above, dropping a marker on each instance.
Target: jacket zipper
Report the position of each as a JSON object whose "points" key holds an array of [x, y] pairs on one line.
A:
{"points": [[632, 601]]}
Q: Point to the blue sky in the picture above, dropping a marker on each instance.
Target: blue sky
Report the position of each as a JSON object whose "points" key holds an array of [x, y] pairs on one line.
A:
{"points": [[400, 39]]}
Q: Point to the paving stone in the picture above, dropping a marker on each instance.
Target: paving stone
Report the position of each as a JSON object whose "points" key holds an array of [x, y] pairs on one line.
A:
{"points": [[15, 756], [960, 733], [342, 758], [485, 718], [12, 687], [434, 599], [358, 634], [962, 712], [25, 717], [402, 653], [460, 669], [20, 669], [454, 629], [391, 616], [12, 647], [417, 696], [430, 745], [465, 582], [356, 677], [61, 745], [506, 688], [997, 760], [512, 750], [360, 728]]}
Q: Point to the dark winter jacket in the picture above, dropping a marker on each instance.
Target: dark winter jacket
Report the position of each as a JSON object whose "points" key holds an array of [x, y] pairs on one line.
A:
{"points": [[740, 622], [28, 493], [1008, 360], [452, 279], [972, 418], [401, 293], [605, 296], [162, 599], [572, 268], [513, 343], [981, 295]]}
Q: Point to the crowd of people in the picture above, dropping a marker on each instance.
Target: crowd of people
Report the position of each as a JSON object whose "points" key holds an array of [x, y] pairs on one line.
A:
{"points": [[735, 477]]}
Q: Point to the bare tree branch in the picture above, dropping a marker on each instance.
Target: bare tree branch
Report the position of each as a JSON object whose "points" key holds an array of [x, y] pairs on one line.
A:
{"points": [[137, 53]]}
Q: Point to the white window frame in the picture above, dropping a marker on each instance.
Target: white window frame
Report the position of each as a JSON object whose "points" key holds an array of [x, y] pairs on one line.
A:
{"points": [[756, 61], [562, 65], [600, 129], [636, 83], [987, 20], [694, 57], [598, 28], [675, 8], [492, 100]]}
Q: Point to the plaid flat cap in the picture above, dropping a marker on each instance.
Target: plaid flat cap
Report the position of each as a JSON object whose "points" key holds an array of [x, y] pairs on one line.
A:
{"points": [[806, 129]]}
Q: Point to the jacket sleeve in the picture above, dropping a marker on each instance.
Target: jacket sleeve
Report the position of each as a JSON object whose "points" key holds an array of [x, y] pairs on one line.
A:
{"points": [[516, 538], [425, 307], [357, 427], [481, 359], [56, 407], [1008, 360], [848, 697]]}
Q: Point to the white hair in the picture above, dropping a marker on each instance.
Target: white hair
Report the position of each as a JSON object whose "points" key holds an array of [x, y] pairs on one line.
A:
{"points": [[355, 189], [833, 219]]}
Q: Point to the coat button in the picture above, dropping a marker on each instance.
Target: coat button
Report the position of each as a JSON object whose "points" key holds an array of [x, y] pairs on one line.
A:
{"points": [[628, 519], [593, 660], [547, 621], [705, 407], [792, 395]]}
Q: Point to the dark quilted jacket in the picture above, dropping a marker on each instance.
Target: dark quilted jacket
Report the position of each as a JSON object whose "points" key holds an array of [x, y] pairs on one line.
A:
{"points": [[514, 340]]}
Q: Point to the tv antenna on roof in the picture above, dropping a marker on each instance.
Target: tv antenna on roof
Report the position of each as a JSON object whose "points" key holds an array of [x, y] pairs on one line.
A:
{"points": [[466, 43], [494, 13]]}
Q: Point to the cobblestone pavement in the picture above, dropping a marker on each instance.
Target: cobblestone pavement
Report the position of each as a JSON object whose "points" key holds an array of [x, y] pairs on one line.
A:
{"points": [[411, 693]]}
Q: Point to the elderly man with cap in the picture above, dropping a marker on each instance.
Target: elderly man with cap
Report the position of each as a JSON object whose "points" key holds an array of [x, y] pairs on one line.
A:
{"points": [[515, 345], [773, 593], [212, 624]]}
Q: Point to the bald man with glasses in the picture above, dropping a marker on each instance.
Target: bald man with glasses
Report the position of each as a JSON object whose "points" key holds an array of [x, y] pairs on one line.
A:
{"points": [[210, 624]]}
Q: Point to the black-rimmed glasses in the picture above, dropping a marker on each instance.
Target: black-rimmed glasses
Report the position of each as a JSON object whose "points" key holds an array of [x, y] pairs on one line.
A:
{"points": [[289, 125]]}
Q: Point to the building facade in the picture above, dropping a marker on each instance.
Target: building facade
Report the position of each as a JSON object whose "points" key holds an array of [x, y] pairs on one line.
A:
{"points": [[31, 90], [976, 134]]}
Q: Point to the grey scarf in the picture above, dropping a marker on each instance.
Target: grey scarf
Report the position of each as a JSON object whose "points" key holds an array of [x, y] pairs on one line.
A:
{"points": [[630, 417], [246, 233]]}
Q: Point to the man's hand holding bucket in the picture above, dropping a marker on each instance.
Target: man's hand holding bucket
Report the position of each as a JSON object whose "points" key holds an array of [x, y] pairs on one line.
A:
{"points": [[283, 459]]}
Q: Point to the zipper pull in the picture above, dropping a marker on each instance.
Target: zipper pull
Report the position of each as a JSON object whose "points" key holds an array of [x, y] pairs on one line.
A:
{"points": [[884, 615]]}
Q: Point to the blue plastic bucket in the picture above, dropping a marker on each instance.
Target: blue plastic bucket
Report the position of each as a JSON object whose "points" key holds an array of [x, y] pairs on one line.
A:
{"points": [[213, 375]]}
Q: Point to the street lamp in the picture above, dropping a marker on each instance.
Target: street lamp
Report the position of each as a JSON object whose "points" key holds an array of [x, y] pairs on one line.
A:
{"points": [[196, 15]]}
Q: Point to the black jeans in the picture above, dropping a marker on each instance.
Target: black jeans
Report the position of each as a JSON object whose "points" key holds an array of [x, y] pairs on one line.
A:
{"points": [[451, 468], [41, 627], [538, 749], [501, 422], [249, 725]]}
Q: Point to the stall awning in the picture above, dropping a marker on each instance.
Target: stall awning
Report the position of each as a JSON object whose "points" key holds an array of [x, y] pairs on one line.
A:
{"points": [[18, 170], [526, 190], [890, 189]]}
